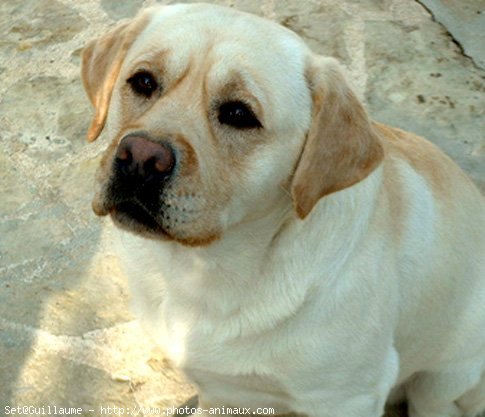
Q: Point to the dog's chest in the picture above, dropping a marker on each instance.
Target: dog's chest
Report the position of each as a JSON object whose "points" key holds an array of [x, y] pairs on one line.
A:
{"points": [[238, 369], [192, 339], [214, 325]]}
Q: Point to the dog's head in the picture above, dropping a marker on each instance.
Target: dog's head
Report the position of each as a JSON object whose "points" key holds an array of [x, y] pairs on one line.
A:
{"points": [[215, 117]]}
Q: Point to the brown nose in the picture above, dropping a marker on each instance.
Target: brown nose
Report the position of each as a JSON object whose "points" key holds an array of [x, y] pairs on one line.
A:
{"points": [[139, 157]]}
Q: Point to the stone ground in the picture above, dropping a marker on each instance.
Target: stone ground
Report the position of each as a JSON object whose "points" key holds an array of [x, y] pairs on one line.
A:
{"points": [[67, 337]]}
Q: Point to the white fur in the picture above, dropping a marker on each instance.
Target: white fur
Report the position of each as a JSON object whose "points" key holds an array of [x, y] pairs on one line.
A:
{"points": [[327, 316], [322, 315]]}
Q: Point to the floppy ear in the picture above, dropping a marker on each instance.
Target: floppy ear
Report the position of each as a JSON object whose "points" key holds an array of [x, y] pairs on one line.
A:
{"points": [[341, 147], [101, 63]]}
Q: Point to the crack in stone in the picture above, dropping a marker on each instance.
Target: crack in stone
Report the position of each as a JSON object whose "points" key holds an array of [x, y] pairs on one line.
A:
{"points": [[455, 41]]}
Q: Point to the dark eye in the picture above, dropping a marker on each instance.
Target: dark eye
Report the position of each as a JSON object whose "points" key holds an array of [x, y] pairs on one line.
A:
{"points": [[143, 83], [237, 115]]}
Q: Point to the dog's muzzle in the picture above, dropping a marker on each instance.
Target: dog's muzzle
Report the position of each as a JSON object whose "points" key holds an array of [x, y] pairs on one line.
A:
{"points": [[142, 167]]}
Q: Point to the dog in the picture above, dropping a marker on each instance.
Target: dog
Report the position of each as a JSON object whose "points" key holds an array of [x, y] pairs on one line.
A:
{"points": [[284, 250]]}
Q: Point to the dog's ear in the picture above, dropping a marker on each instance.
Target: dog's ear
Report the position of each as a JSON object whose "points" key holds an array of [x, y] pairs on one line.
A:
{"points": [[101, 62], [341, 147]]}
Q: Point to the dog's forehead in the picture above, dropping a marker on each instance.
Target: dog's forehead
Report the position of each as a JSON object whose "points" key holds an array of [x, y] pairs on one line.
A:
{"points": [[197, 29]]}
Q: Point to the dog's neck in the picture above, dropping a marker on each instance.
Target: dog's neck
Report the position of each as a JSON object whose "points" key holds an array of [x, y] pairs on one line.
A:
{"points": [[209, 281]]}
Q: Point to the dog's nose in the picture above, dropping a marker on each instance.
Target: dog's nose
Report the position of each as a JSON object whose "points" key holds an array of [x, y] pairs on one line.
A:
{"points": [[140, 157]]}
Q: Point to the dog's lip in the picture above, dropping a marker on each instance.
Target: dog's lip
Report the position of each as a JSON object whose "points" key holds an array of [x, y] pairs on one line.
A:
{"points": [[122, 216], [129, 214], [136, 212], [99, 208]]}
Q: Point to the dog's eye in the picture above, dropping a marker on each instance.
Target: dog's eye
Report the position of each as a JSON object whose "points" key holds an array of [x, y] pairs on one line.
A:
{"points": [[143, 83], [238, 115]]}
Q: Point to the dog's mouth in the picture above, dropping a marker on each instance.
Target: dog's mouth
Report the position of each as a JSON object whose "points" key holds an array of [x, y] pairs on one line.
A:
{"points": [[150, 213], [134, 217], [133, 206], [131, 211]]}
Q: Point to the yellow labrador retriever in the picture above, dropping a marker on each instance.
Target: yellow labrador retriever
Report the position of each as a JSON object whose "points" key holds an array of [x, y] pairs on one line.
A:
{"points": [[287, 252]]}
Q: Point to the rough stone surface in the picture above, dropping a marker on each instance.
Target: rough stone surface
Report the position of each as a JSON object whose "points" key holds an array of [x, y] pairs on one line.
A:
{"points": [[465, 20], [67, 337], [419, 81]]}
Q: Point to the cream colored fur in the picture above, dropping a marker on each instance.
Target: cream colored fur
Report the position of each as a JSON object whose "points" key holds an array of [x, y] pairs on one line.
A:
{"points": [[348, 264]]}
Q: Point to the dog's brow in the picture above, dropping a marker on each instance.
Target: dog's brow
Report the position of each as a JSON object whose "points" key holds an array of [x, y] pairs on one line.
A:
{"points": [[240, 86], [153, 58]]}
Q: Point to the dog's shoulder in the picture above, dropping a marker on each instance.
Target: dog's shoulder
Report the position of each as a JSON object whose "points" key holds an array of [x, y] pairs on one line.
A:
{"points": [[443, 176]]}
